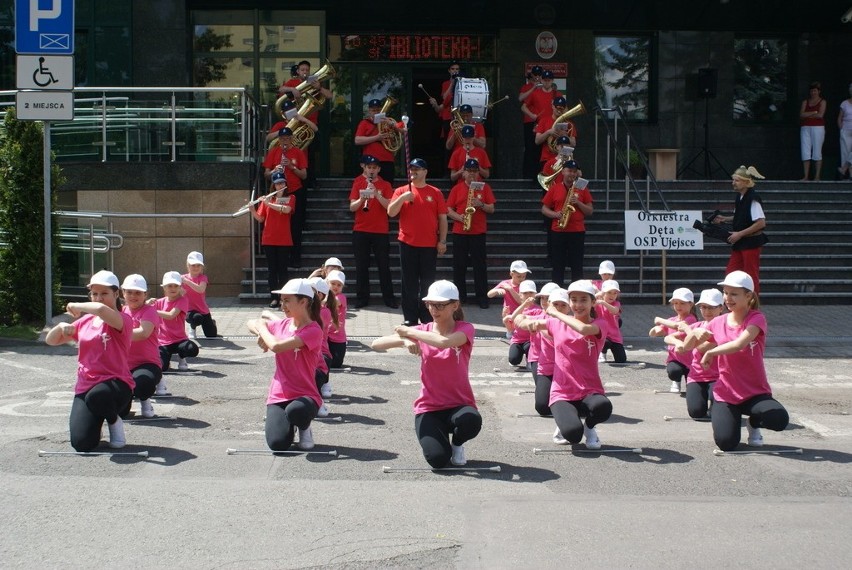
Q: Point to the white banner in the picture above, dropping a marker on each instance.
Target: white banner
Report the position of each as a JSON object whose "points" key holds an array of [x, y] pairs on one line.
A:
{"points": [[671, 231]]}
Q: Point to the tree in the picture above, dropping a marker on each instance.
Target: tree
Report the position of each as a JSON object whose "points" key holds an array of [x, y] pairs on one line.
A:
{"points": [[22, 260], [210, 69]]}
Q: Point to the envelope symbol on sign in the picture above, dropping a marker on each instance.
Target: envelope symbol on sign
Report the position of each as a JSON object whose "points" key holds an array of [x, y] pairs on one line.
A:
{"points": [[54, 41]]}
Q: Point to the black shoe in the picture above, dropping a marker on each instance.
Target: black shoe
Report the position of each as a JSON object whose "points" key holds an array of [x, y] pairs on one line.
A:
{"points": [[275, 304], [392, 304], [361, 304]]}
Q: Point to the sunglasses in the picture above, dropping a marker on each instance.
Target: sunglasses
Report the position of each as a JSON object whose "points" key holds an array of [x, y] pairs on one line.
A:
{"points": [[438, 306]]}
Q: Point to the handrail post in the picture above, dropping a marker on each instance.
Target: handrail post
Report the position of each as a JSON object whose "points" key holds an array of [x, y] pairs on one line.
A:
{"points": [[103, 127], [174, 127], [597, 113]]}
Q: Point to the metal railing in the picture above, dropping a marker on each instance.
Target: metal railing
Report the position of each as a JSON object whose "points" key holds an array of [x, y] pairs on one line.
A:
{"points": [[130, 124]]}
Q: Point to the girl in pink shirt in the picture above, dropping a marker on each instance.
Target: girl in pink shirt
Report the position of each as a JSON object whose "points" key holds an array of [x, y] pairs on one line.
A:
{"points": [[194, 283], [699, 383], [519, 344], [337, 335], [293, 399], [738, 340], [610, 308], [677, 363], [144, 357], [445, 411], [171, 333], [329, 319], [577, 390], [509, 289], [540, 355], [104, 384]]}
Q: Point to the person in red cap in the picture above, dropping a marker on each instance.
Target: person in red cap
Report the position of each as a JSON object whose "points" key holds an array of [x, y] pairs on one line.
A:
{"points": [[567, 244], [422, 238], [368, 200], [547, 128], [371, 139], [469, 243], [293, 163], [468, 150]]}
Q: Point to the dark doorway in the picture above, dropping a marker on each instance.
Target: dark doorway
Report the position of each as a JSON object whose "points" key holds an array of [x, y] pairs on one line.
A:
{"points": [[426, 140]]}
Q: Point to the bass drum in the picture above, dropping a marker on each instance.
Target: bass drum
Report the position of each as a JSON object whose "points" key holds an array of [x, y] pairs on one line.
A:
{"points": [[473, 92]]}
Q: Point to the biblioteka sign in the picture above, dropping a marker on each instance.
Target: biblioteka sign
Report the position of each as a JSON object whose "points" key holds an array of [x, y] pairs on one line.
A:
{"points": [[669, 231]]}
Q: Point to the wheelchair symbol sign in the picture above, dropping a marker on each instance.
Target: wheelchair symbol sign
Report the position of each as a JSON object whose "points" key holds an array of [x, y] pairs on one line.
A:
{"points": [[45, 72]]}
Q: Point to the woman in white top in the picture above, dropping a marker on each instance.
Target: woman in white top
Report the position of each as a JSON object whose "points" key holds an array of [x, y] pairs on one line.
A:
{"points": [[844, 123]]}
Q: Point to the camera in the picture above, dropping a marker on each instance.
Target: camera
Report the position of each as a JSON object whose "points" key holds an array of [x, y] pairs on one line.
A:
{"points": [[720, 232]]}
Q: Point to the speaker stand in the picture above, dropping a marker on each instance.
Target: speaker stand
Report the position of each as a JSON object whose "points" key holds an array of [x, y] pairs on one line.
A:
{"points": [[705, 152]]}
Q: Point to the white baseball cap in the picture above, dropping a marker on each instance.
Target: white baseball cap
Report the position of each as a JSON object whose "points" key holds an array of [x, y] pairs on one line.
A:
{"points": [[442, 290], [519, 266], [606, 266], [711, 297], [319, 284], [104, 277], [171, 278], [610, 285], [583, 286], [558, 295], [546, 289], [135, 282], [527, 286], [194, 258], [682, 294], [333, 261], [296, 287], [738, 279], [335, 275]]}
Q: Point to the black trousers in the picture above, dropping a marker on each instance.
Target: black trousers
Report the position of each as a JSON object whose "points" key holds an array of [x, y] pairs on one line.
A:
{"points": [[184, 349], [762, 411], [532, 152], [470, 249], [566, 248], [365, 243], [104, 401], [282, 417], [596, 408], [297, 224], [387, 171], [277, 261], [203, 320], [437, 431], [418, 266]]}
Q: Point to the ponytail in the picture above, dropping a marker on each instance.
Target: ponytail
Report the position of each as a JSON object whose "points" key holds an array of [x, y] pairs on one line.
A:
{"points": [[333, 306], [458, 314], [314, 307]]}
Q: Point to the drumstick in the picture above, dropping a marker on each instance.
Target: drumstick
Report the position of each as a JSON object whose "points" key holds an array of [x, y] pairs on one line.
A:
{"points": [[420, 85]]}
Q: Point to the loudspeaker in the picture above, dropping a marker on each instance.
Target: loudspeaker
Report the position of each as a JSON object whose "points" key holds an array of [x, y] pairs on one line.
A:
{"points": [[707, 80]]}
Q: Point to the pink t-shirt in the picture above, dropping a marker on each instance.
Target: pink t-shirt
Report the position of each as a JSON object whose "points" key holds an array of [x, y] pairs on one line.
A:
{"points": [[101, 352], [197, 301], [339, 334], [325, 314], [294, 369], [147, 350], [613, 333], [444, 381], [697, 373], [508, 301], [546, 352], [742, 375], [520, 336], [575, 372], [173, 330], [684, 358]]}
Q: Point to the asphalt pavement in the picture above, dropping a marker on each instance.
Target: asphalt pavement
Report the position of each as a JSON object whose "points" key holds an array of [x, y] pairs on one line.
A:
{"points": [[191, 505]]}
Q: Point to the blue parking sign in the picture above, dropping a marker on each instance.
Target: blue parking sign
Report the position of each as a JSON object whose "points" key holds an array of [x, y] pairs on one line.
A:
{"points": [[44, 26]]}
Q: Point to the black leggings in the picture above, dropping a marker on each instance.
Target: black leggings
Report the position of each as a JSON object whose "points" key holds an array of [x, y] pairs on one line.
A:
{"points": [[102, 402], [699, 398], [146, 376], [618, 353], [338, 353], [321, 378], [676, 371], [203, 320], [596, 408], [183, 349], [762, 412], [542, 394], [282, 417], [517, 352], [433, 431]]}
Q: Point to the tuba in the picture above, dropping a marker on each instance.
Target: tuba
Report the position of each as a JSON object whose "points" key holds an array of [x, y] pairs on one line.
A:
{"points": [[546, 181], [577, 109], [456, 124], [305, 89], [302, 133], [394, 143]]}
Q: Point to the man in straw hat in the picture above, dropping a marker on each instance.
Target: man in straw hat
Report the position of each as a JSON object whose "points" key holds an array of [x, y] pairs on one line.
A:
{"points": [[748, 222]]}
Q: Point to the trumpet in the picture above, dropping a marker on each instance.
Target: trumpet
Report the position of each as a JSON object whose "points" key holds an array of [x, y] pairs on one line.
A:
{"points": [[577, 109]]}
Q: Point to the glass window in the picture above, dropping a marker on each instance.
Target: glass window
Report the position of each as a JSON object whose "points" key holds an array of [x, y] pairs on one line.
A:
{"points": [[223, 38], [622, 68], [289, 39], [761, 91]]}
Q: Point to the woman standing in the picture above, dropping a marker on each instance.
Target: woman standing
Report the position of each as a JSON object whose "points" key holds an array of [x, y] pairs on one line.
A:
{"points": [[445, 411], [104, 385], [274, 213], [812, 130], [737, 340], [844, 123], [293, 399]]}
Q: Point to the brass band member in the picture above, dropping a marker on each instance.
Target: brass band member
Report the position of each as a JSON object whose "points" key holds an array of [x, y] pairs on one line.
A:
{"points": [[547, 127], [468, 150], [466, 114], [289, 108], [567, 243], [469, 202], [370, 138], [293, 163]]}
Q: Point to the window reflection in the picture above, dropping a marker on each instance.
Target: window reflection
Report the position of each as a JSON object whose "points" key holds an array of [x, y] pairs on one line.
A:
{"points": [[760, 80], [622, 66]]}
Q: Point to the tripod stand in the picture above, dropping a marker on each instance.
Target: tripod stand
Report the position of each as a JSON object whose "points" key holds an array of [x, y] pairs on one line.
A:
{"points": [[705, 151]]}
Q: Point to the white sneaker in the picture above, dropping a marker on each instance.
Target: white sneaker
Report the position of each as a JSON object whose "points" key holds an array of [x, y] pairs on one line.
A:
{"points": [[675, 387], [755, 438], [117, 439], [325, 391], [592, 440], [602, 357], [192, 334], [322, 412], [306, 438], [458, 457], [161, 389], [182, 365], [558, 439], [147, 409]]}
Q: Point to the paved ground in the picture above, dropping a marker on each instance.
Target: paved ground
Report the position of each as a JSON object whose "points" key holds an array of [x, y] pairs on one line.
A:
{"points": [[190, 505]]}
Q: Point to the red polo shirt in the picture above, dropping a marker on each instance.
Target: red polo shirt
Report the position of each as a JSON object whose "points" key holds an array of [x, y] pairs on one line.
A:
{"points": [[418, 220], [375, 220], [457, 201]]}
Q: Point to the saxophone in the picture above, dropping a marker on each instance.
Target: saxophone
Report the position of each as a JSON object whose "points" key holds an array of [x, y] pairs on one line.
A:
{"points": [[469, 210], [567, 209]]}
